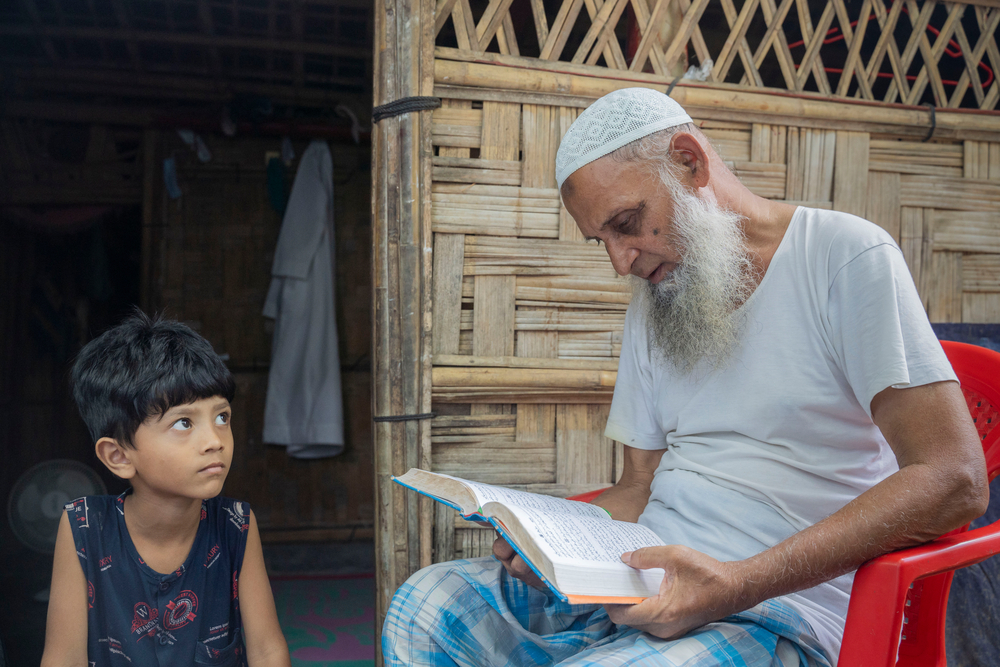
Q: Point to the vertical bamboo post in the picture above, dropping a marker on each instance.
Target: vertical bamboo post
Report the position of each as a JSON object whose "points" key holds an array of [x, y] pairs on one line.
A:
{"points": [[401, 307]]}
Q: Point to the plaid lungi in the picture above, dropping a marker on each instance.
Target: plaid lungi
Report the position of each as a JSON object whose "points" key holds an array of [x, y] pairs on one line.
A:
{"points": [[472, 613]]}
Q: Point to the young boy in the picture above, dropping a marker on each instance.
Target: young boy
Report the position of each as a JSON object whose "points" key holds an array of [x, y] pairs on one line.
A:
{"points": [[168, 572]]}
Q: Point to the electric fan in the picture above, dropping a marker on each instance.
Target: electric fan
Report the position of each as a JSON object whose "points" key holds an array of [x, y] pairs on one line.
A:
{"points": [[37, 499]]}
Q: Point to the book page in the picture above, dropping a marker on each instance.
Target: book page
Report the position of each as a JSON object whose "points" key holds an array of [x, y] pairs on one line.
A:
{"points": [[470, 498], [535, 502], [583, 538]]}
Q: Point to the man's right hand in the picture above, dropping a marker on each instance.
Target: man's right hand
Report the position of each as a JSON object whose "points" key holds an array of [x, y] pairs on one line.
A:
{"points": [[515, 565]]}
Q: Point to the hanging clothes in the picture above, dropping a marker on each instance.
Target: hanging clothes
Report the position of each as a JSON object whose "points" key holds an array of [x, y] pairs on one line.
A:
{"points": [[304, 410]]}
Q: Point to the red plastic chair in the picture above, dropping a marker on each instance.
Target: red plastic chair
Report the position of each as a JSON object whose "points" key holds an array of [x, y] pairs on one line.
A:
{"points": [[898, 603], [896, 616]]}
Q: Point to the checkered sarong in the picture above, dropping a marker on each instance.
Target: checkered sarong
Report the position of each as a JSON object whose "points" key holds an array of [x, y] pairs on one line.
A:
{"points": [[471, 613]]}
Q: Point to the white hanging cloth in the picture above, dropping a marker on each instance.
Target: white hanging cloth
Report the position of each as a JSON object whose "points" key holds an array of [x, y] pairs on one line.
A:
{"points": [[304, 410]]}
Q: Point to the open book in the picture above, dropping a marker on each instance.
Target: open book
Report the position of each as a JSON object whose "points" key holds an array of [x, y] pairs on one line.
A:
{"points": [[574, 547]]}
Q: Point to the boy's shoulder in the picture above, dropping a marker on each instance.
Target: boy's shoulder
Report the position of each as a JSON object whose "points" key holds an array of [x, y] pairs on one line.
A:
{"points": [[85, 511]]}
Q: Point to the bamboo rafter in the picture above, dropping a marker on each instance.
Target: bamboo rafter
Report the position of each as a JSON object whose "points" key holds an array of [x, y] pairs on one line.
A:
{"points": [[827, 49]]}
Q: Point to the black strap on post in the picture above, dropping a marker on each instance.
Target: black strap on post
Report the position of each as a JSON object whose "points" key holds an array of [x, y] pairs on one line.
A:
{"points": [[930, 132], [405, 105], [674, 84], [404, 418]]}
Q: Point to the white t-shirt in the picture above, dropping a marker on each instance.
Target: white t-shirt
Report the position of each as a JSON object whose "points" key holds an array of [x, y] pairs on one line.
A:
{"points": [[782, 437]]}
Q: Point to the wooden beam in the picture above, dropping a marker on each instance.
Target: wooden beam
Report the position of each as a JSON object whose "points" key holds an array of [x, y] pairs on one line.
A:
{"points": [[122, 83], [78, 192], [298, 61], [131, 45], [31, 10], [77, 113], [188, 39], [208, 28], [344, 534], [716, 101]]}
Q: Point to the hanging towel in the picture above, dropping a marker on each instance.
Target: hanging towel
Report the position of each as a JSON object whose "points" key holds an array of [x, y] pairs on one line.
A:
{"points": [[304, 410]]}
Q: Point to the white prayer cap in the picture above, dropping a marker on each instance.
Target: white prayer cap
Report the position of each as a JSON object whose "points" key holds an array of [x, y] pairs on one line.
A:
{"points": [[611, 122]]}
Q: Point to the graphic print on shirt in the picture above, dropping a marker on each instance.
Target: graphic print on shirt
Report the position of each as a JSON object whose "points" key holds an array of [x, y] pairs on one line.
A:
{"points": [[114, 646], [104, 564], [78, 512], [237, 517], [216, 632], [90, 594], [213, 555], [236, 592], [144, 620], [181, 610]]}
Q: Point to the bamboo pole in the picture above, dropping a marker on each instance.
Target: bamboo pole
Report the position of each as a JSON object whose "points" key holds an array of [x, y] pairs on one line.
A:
{"points": [[715, 101], [401, 315]]}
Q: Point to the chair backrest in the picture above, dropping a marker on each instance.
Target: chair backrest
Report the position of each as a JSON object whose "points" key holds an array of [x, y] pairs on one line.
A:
{"points": [[978, 369]]}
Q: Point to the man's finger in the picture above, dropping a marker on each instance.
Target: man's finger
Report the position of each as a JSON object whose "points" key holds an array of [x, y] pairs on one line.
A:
{"points": [[502, 550], [629, 614], [645, 558], [521, 569]]}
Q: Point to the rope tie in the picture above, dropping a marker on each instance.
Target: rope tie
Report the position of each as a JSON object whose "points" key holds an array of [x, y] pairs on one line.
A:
{"points": [[405, 105], [930, 132], [404, 418]]}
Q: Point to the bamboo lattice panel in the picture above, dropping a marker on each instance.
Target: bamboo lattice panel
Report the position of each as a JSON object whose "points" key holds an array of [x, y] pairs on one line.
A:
{"points": [[528, 316], [901, 51]]}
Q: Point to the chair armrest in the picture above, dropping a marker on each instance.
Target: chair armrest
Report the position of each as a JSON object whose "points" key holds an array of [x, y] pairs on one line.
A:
{"points": [[876, 615], [588, 496], [945, 553]]}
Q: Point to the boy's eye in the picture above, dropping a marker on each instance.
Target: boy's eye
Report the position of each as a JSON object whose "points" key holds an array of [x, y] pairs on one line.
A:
{"points": [[222, 419], [182, 424]]}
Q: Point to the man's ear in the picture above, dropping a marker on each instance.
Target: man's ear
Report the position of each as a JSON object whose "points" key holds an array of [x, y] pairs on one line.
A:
{"points": [[116, 457], [692, 156]]}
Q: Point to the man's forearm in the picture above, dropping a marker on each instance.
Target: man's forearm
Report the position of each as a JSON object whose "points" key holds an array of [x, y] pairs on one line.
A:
{"points": [[625, 500], [911, 507]]}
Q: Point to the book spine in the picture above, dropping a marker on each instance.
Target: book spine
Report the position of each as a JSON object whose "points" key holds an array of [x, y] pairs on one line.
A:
{"points": [[431, 496], [475, 516]]}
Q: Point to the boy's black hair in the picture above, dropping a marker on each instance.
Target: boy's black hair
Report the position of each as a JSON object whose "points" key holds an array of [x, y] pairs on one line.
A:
{"points": [[142, 368]]}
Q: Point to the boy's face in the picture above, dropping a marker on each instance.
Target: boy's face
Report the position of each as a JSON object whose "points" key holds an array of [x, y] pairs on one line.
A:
{"points": [[185, 452]]}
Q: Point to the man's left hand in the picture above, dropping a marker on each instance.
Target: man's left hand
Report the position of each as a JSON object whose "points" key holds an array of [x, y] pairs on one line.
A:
{"points": [[696, 589]]}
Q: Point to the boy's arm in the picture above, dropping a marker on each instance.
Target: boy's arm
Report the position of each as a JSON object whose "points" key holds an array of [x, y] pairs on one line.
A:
{"points": [[266, 644], [66, 625]]}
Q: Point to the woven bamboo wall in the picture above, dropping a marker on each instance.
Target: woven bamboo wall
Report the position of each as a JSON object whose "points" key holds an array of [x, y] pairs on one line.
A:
{"points": [[528, 316]]}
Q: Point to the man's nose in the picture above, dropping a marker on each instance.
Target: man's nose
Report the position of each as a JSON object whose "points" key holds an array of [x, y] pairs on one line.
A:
{"points": [[622, 256]]}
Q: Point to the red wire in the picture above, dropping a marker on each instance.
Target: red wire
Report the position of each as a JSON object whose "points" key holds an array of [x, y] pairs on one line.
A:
{"points": [[954, 52]]}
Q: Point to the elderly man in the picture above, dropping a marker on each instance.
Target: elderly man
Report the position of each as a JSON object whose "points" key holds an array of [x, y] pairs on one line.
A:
{"points": [[786, 411]]}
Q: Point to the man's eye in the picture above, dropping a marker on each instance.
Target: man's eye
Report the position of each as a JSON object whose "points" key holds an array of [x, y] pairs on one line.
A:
{"points": [[182, 424], [222, 419], [626, 226]]}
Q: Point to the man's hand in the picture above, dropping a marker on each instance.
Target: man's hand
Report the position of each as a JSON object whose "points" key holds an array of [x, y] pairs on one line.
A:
{"points": [[696, 589], [515, 565]]}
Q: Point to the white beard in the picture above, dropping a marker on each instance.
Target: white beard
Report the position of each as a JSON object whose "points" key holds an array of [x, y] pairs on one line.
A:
{"points": [[691, 311]]}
